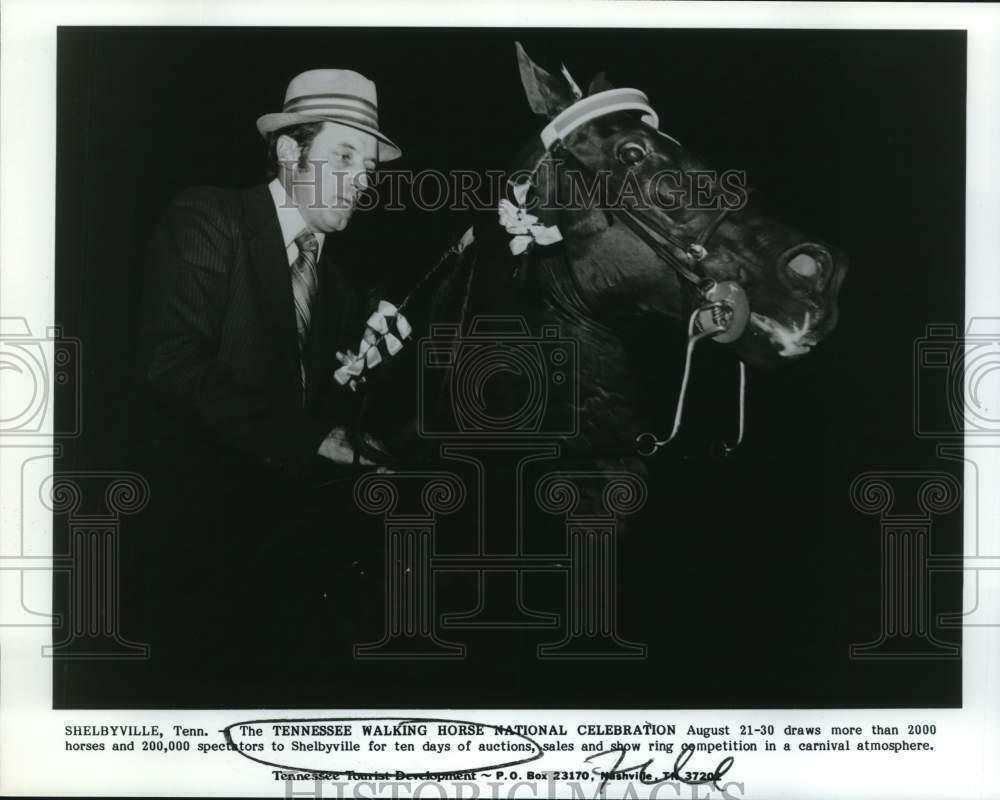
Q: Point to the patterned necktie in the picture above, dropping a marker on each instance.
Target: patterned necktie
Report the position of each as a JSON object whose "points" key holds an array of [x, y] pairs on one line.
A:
{"points": [[304, 282]]}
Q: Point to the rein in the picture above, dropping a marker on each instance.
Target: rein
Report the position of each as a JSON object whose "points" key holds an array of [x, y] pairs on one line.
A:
{"points": [[721, 309], [644, 229], [721, 312]]}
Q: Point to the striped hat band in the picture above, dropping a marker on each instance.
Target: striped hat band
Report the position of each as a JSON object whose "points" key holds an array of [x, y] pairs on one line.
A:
{"points": [[355, 108]]}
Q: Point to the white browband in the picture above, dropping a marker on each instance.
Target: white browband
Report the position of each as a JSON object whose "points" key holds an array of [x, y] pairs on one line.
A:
{"points": [[598, 105]]}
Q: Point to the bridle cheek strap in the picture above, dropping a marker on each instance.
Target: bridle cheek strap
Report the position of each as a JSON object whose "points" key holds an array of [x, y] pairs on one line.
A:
{"points": [[724, 309]]}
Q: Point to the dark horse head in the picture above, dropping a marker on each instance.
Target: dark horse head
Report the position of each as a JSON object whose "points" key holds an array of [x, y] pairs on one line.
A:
{"points": [[621, 160], [610, 223]]}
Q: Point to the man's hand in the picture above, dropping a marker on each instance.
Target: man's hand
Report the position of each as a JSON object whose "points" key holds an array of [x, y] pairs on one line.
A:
{"points": [[337, 447], [385, 332]]}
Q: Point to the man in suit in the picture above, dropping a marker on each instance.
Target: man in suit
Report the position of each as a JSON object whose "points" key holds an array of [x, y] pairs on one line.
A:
{"points": [[247, 309], [247, 313]]}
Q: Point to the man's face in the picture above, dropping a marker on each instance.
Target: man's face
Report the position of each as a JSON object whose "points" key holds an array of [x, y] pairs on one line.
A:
{"points": [[339, 161]]}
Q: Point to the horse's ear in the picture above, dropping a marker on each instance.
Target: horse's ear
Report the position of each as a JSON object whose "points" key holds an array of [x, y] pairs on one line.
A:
{"points": [[599, 84], [547, 95]]}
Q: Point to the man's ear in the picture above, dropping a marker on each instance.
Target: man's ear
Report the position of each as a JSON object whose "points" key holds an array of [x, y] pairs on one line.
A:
{"points": [[547, 95], [287, 149], [599, 84]]}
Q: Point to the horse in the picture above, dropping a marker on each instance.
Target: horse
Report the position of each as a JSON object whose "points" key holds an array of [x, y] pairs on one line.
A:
{"points": [[521, 409], [596, 257]]}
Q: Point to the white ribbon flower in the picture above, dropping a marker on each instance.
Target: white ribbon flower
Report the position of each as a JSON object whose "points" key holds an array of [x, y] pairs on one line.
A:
{"points": [[514, 219], [525, 228], [384, 333]]}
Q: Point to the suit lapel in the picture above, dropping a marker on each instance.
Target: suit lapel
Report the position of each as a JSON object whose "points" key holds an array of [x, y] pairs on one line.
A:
{"points": [[269, 262], [336, 323]]}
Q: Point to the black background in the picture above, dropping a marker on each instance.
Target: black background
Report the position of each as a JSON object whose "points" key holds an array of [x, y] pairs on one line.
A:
{"points": [[748, 579]]}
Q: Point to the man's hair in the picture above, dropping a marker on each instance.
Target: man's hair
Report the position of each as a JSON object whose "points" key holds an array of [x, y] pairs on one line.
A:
{"points": [[303, 133]]}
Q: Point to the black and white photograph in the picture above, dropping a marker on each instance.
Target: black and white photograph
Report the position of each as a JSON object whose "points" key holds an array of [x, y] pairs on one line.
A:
{"points": [[456, 364], [565, 370]]}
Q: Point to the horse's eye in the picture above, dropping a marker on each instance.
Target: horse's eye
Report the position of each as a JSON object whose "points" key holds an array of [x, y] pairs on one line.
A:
{"points": [[631, 153]]}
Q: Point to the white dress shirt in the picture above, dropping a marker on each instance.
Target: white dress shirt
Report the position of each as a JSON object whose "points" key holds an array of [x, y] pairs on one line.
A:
{"points": [[291, 222]]}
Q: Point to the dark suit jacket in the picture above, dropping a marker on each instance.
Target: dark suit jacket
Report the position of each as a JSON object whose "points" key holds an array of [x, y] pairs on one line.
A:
{"points": [[221, 347], [250, 535]]}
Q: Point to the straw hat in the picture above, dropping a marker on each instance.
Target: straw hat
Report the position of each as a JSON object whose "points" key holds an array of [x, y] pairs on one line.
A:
{"points": [[334, 95]]}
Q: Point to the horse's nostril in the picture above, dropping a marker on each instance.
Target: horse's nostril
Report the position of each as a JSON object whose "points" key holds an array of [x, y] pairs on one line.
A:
{"points": [[804, 264]]}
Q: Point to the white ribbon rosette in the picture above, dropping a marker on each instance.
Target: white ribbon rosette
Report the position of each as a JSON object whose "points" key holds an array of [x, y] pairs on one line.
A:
{"points": [[385, 331], [525, 227]]}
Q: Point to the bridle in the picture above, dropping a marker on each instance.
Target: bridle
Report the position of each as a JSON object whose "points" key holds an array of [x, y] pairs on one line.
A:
{"points": [[721, 309]]}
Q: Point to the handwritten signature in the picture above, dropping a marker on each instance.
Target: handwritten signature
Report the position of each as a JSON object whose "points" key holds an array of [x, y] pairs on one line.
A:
{"points": [[679, 774]]}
